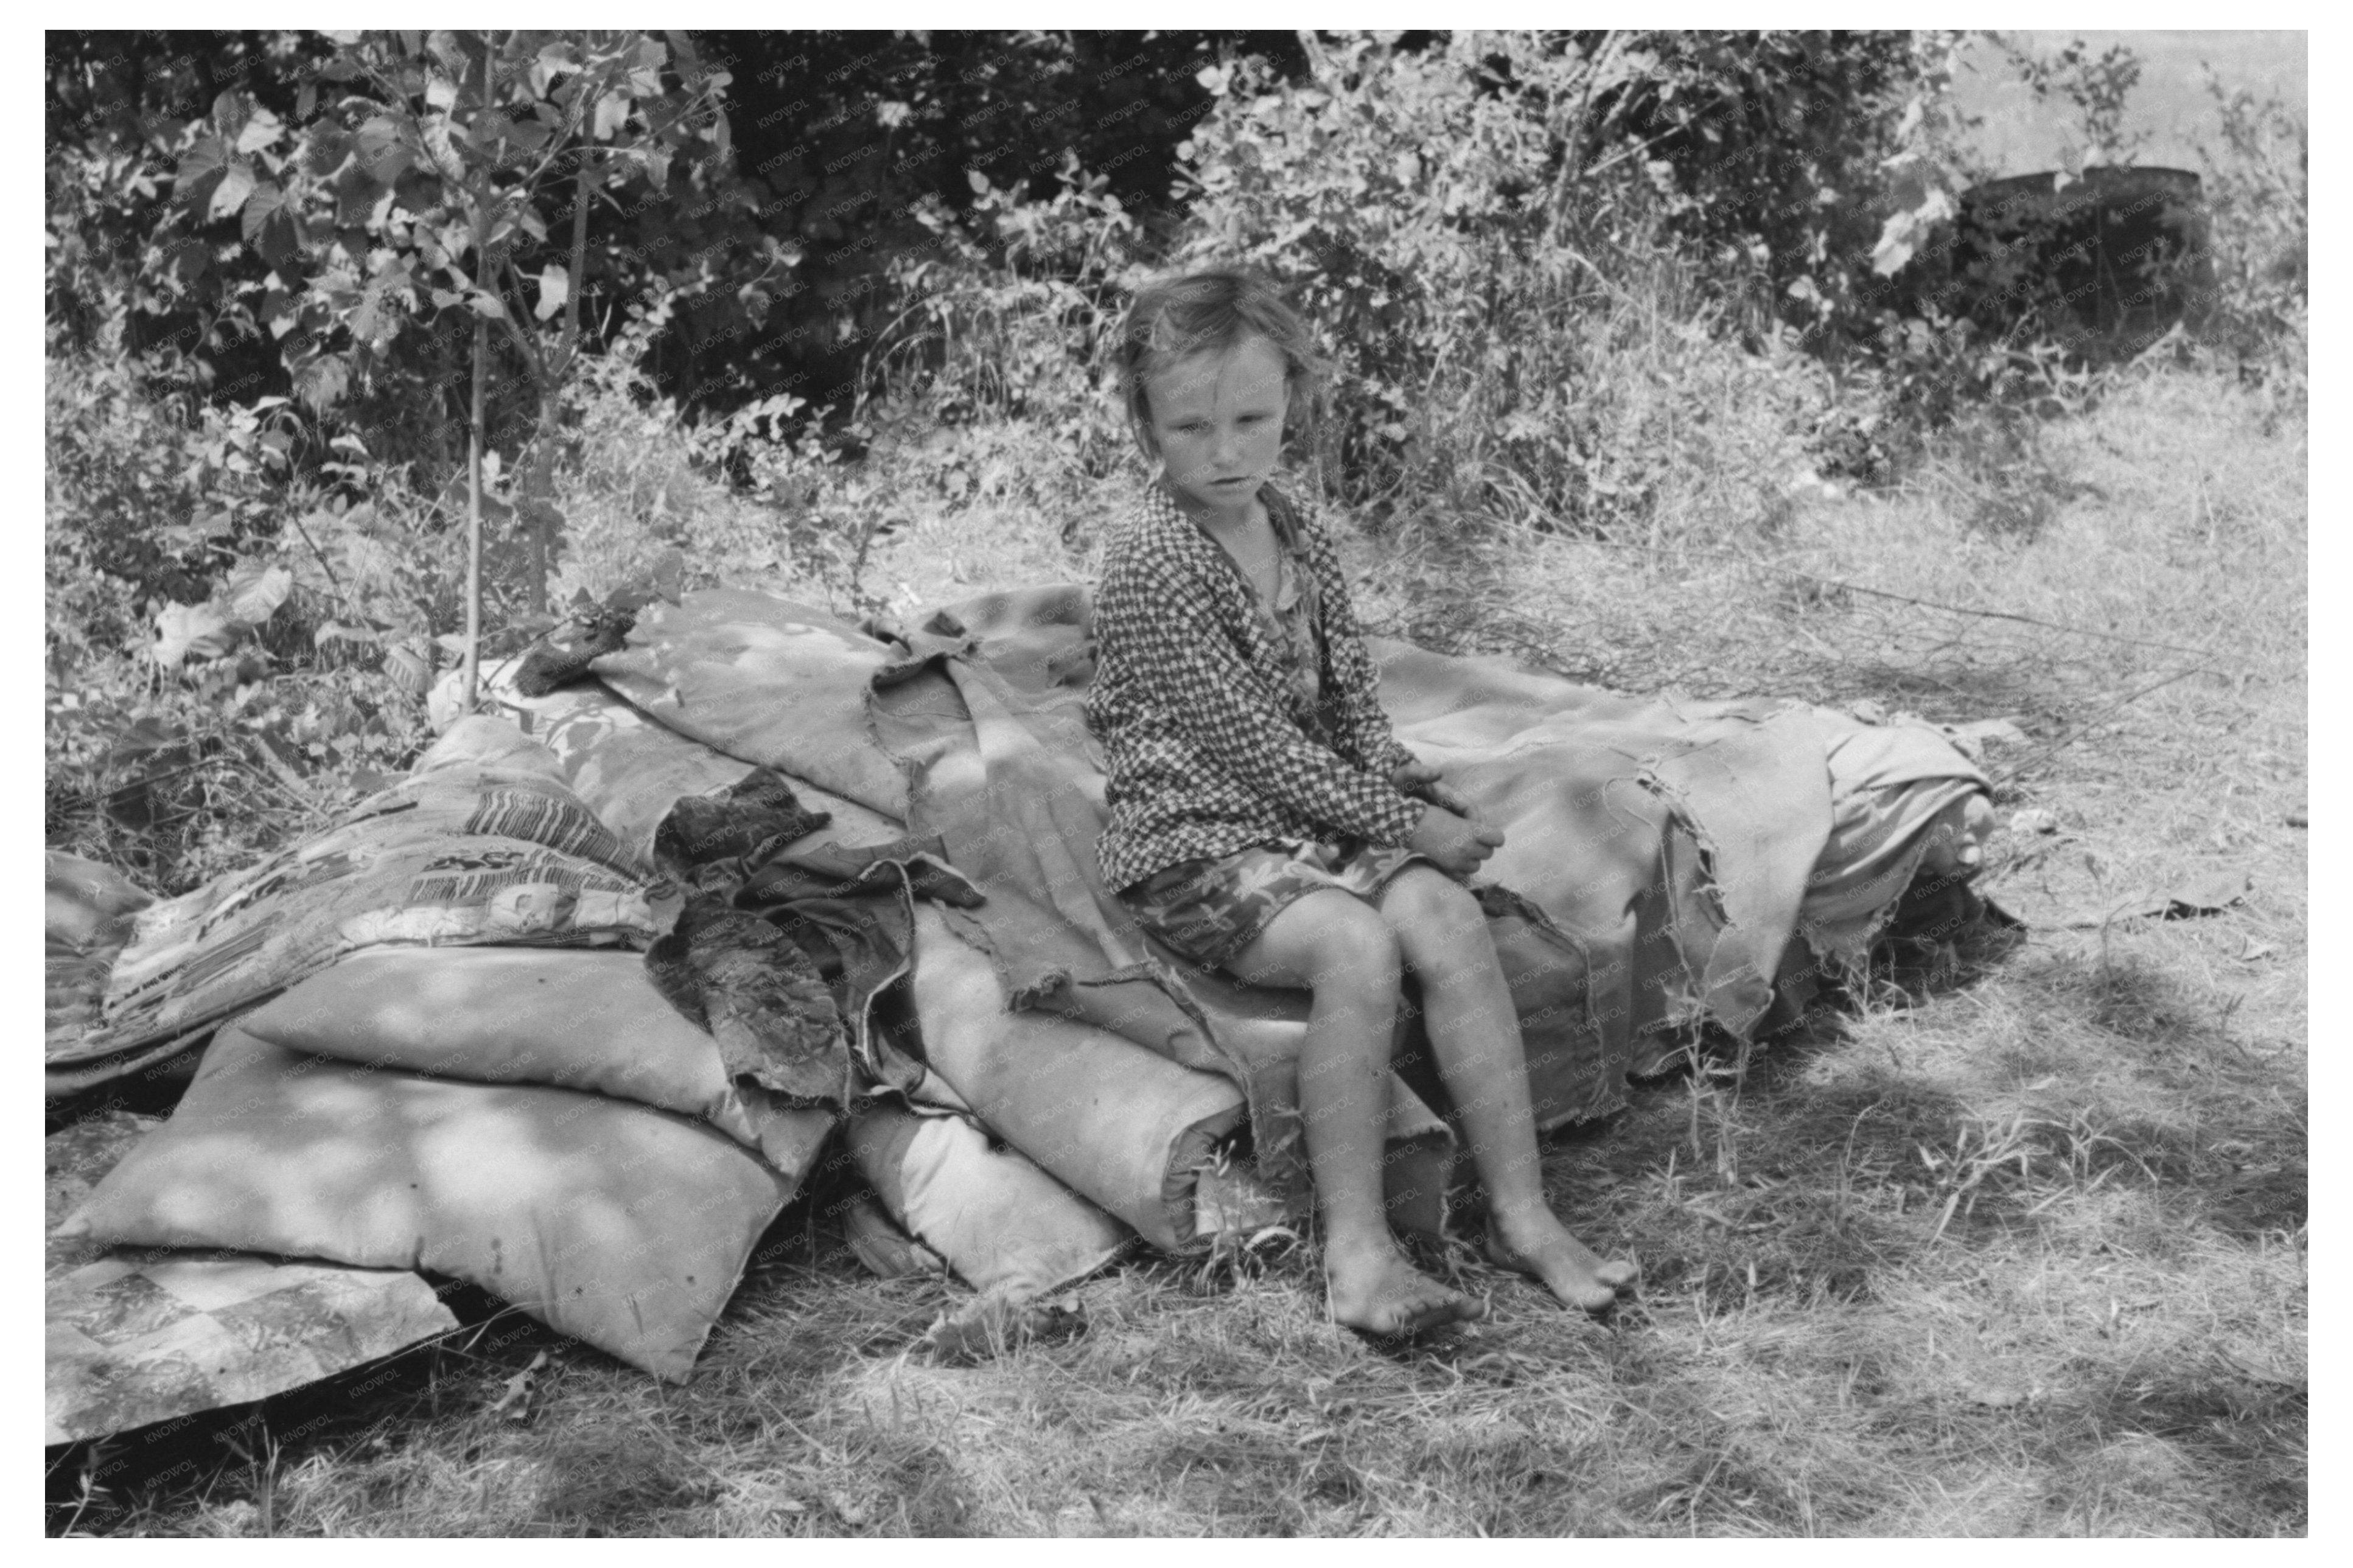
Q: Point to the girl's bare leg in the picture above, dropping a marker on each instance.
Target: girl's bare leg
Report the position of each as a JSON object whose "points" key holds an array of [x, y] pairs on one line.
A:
{"points": [[1476, 1037], [1337, 946]]}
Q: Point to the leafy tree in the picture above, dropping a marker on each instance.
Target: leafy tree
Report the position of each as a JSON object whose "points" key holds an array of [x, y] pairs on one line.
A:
{"points": [[417, 178], [1479, 223]]}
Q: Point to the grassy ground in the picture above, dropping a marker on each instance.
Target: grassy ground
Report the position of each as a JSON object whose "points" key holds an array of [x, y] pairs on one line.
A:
{"points": [[2015, 1244]]}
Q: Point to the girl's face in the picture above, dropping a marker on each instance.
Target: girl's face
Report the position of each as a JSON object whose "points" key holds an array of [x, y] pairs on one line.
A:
{"points": [[1217, 418]]}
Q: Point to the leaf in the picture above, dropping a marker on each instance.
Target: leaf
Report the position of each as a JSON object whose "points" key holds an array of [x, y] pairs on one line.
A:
{"points": [[374, 318], [263, 130], [487, 128], [269, 225], [442, 146], [554, 60], [188, 260], [382, 149], [255, 589], [326, 148], [528, 134], [149, 733], [204, 631], [669, 574], [409, 669], [206, 155], [419, 191], [231, 109], [554, 288], [515, 1403], [237, 184], [1996, 1397], [321, 382], [612, 113]]}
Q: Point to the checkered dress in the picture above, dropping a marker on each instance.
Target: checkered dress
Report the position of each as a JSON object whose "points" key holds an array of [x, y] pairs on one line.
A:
{"points": [[1193, 702]]}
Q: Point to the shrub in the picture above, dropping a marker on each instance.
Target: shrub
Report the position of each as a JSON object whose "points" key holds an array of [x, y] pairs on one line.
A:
{"points": [[1520, 333], [2257, 190]]}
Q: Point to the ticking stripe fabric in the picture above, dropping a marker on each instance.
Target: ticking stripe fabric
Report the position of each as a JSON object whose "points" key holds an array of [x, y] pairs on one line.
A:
{"points": [[1193, 698]]}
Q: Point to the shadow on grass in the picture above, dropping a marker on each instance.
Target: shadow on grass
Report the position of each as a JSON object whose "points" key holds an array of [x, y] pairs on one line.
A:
{"points": [[1792, 1189], [2245, 1438], [2237, 1156], [616, 1481]]}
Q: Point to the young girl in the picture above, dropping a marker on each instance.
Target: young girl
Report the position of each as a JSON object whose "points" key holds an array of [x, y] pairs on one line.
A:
{"points": [[1265, 820]]}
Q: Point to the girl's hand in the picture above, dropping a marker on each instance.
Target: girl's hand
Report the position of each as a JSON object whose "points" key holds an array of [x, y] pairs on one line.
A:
{"points": [[1422, 780], [1456, 843]]}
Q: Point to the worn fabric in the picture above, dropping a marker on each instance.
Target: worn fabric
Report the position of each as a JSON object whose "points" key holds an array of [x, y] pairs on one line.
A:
{"points": [[1902, 797], [621, 1225], [786, 945], [1002, 771], [1657, 853], [1211, 910], [564, 655], [135, 1336], [1121, 1125], [759, 997], [457, 853], [87, 919], [1002, 1223], [1208, 742], [626, 766], [1659, 860], [715, 840], [766, 681], [1036, 784], [566, 1019], [139, 1335]]}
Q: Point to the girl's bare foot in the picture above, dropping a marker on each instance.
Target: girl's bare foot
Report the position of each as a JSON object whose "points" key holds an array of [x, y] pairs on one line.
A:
{"points": [[1376, 1292], [1571, 1270]]}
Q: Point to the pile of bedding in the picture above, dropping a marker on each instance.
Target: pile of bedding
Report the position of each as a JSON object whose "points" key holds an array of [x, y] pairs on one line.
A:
{"points": [[577, 1008]]}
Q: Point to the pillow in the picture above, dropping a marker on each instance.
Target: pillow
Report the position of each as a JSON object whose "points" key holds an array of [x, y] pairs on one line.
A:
{"points": [[138, 1337], [620, 1224], [507, 1014], [1001, 1223], [459, 855], [521, 1014]]}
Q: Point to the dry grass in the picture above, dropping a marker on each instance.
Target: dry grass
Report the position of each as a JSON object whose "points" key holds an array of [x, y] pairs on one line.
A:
{"points": [[2016, 1247]]}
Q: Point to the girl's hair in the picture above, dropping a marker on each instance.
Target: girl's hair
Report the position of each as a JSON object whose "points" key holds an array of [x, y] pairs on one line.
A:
{"points": [[1175, 317]]}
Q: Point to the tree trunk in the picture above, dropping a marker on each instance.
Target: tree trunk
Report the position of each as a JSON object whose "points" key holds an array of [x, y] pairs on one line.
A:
{"points": [[537, 501], [475, 431], [474, 436]]}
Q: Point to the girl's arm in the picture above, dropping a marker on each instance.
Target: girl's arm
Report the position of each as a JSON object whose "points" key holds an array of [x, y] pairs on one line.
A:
{"points": [[1231, 711]]}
